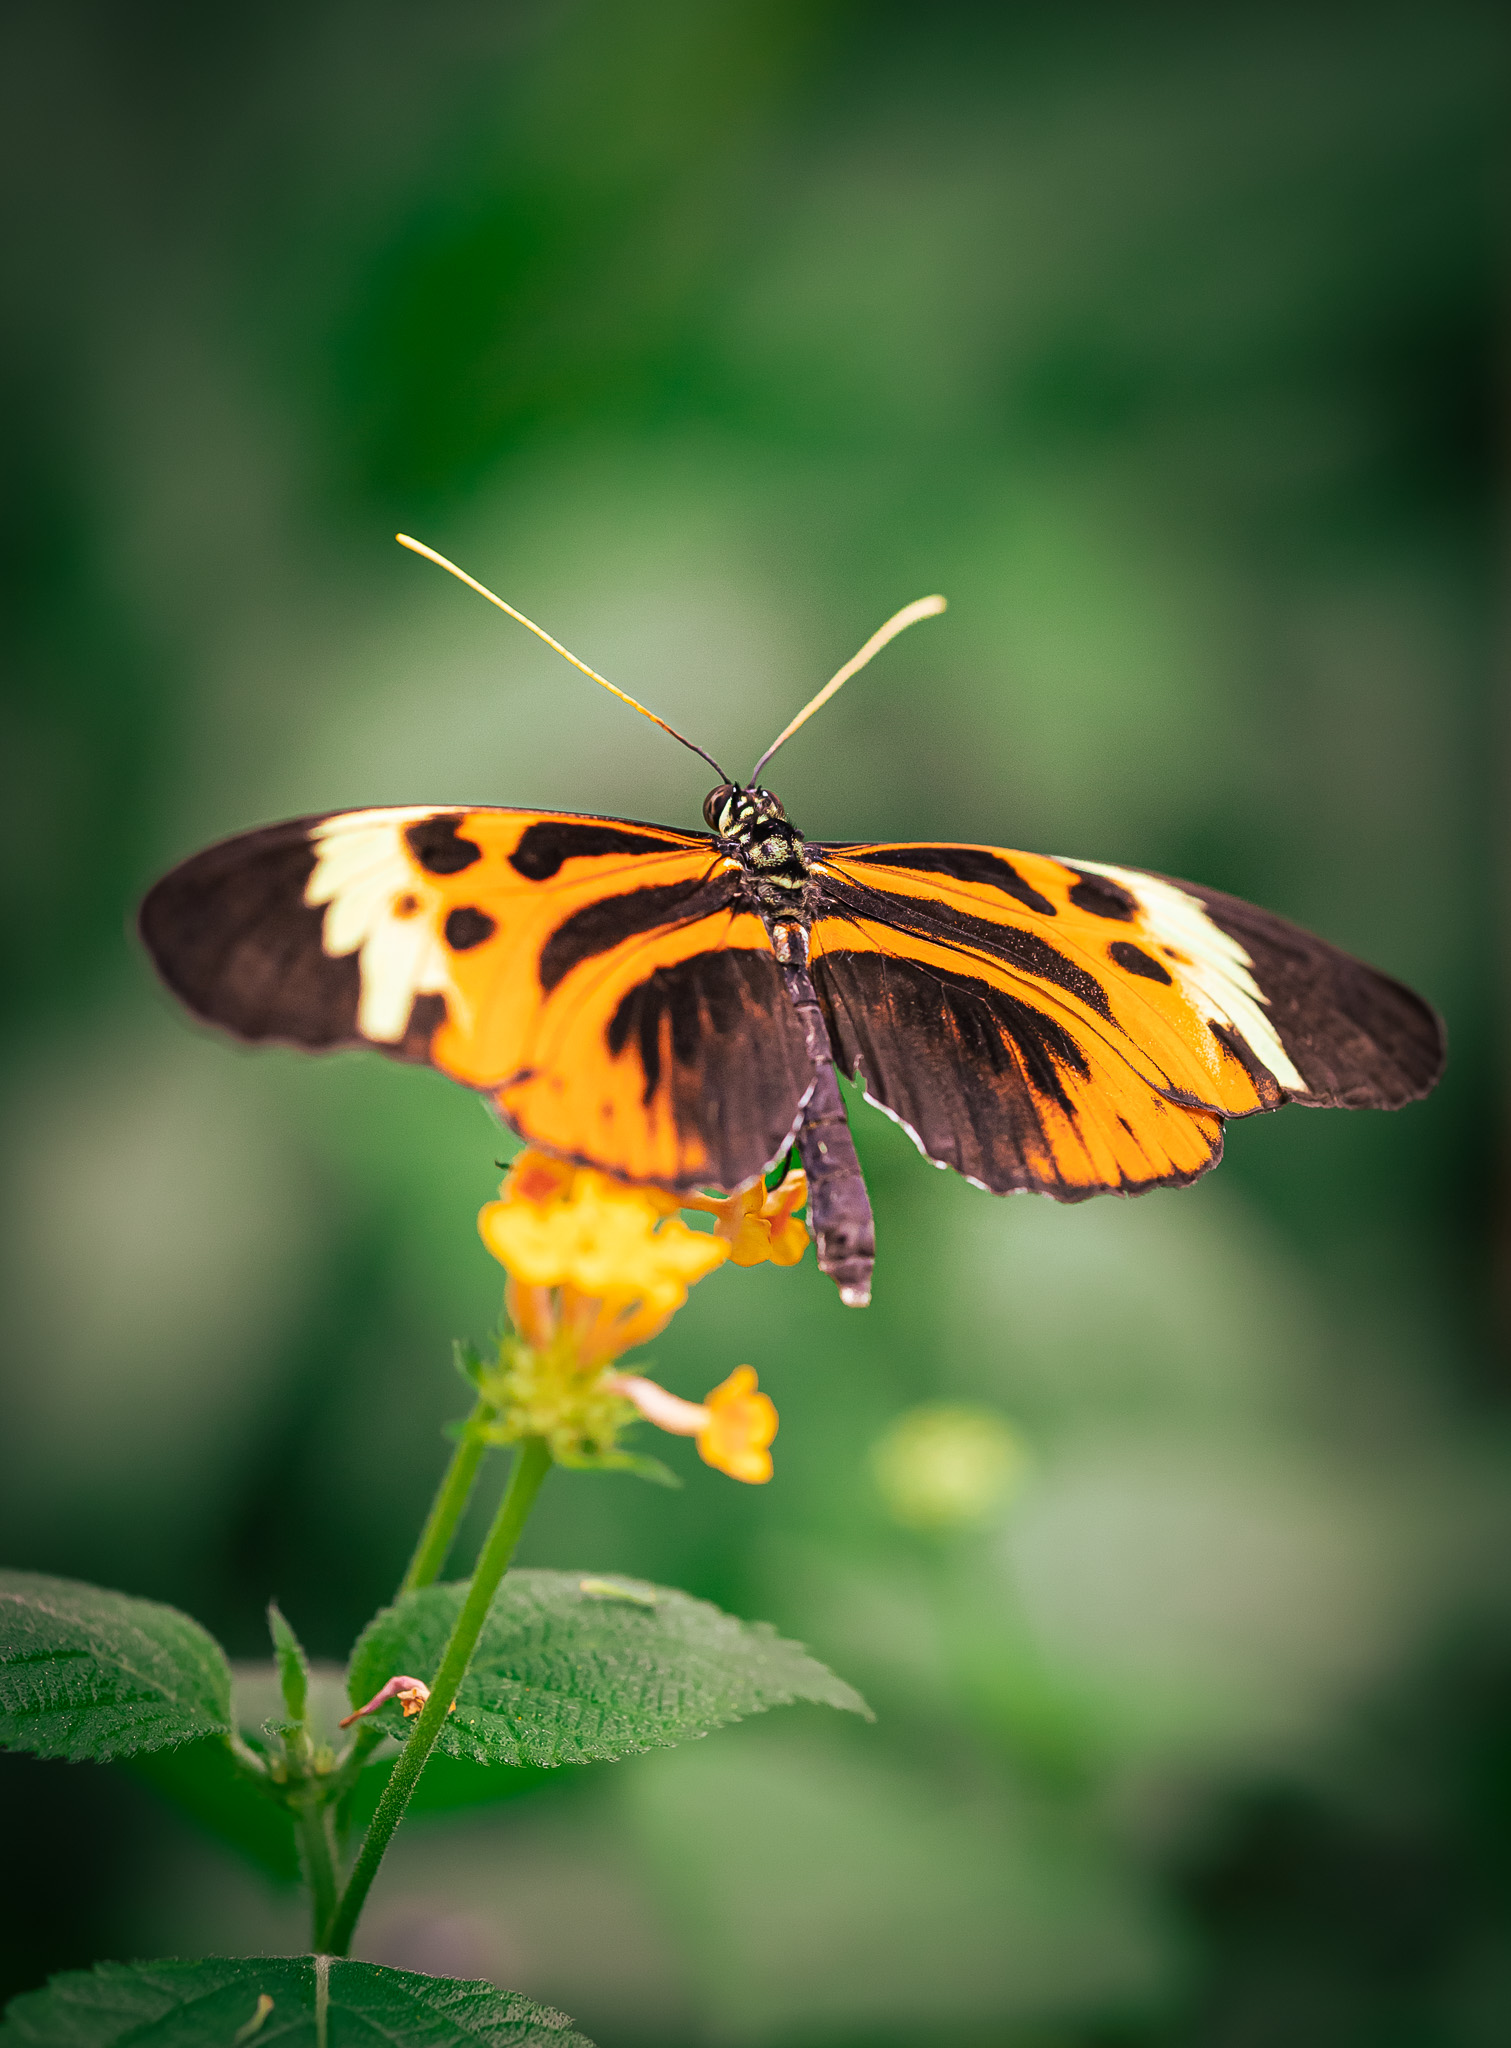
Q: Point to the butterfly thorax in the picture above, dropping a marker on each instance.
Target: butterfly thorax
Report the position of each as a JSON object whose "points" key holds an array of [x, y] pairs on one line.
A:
{"points": [[753, 829]]}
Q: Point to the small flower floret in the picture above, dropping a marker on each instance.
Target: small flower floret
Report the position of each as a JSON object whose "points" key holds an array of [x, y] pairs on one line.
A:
{"points": [[734, 1426], [762, 1223]]}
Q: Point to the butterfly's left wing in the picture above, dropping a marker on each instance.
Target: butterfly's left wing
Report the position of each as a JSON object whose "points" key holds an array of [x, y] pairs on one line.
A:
{"points": [[1075, 1028], [605, 982]]}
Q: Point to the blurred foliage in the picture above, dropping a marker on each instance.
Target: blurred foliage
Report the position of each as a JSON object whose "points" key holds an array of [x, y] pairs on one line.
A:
{"points": [[1165, 343]]}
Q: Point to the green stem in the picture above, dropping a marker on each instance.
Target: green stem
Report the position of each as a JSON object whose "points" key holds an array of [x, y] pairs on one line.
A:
{"points": [[430, 1554], [319, 1860], [450, 1503], [322, 2000], [531, 1463]]}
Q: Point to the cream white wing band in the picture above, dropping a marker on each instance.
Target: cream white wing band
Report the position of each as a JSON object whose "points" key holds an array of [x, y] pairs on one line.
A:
{"points": [[1213, 970], [381, 907]]}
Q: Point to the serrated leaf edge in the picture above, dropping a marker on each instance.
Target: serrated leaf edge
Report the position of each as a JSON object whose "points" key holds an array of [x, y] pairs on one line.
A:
{"points": [[95, 1753]]}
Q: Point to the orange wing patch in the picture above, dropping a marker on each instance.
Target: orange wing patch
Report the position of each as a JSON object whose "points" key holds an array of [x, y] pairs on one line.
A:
{"points": [[1077, 942], [674, 1058], [587, 973]]}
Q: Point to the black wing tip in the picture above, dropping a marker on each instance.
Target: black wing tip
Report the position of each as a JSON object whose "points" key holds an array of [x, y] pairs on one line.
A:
{"points": [[1360, 1038], [231, 937], [1434, 1047], [1413, 1062], [154, 926]]}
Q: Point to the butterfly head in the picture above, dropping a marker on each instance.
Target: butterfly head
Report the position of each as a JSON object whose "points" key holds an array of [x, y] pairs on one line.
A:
{"points": [[735, 813], [755, 822]]}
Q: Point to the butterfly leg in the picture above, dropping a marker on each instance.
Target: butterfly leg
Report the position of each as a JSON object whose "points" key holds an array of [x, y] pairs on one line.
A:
{"points": [[839, 1208]]}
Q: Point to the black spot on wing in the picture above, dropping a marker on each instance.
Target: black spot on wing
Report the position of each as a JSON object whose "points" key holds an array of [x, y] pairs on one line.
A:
{"points": [[717, 1034], [544, 846], [931, 918], [467, 927], [962, 864], [435, 844], [704, 996], [1359, 1039], [1137, 961], [600, 926], [1103, 897]]}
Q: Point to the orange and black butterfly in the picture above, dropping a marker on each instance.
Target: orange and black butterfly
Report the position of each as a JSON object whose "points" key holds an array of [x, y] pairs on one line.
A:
{"points": [[672, 1006]]}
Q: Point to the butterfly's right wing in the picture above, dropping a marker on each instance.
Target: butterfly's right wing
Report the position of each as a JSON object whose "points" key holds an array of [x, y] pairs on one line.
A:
{"points": [[1077, 1029]]}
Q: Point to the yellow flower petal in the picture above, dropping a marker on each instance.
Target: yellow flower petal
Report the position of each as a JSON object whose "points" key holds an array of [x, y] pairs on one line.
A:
{"points": [[537, 1177], [741, 1423], [762, 1224]]}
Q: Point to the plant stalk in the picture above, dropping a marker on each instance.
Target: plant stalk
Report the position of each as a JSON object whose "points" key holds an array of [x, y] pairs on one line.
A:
{"points": [[426, 1565], [319, 1861], [531, 1463], [450, 1503]]}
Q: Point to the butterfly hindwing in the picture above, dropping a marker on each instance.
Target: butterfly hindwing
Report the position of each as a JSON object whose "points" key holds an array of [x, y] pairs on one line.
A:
{"points": [[1010, 1088], [1074, 1028], [599, 979], [675, 1057]]}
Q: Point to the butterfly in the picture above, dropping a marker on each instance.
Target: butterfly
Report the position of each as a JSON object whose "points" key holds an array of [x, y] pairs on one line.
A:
{"points": [[675, 1007]]}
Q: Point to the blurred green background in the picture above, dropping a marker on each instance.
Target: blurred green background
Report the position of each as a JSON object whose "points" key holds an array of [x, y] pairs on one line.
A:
{"points": [[1165, 341]]}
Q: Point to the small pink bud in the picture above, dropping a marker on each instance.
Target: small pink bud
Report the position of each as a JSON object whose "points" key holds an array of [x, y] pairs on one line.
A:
{"points": [[411, 1694]]}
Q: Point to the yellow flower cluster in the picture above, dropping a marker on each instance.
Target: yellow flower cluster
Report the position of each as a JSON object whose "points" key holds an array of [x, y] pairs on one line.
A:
{"points": [[588, 1256], [597, 1267]]}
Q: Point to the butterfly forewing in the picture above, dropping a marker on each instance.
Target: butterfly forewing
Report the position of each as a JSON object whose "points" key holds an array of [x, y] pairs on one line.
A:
{"points": [[1045, 1024], [592, 975]]}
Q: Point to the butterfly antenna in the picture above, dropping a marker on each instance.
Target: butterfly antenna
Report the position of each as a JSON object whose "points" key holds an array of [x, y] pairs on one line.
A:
{"points": [[418, 547], [920, 608]]}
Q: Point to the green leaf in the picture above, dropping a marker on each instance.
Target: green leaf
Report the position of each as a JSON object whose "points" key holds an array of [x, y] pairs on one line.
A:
{"points": [[86, 1673], [205, 1783], [267, 2001], [293, 1665], [565, 1675]]}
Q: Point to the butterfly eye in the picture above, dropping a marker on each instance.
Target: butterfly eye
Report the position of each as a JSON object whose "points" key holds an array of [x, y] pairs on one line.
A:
{"points": [[714, 804]]}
